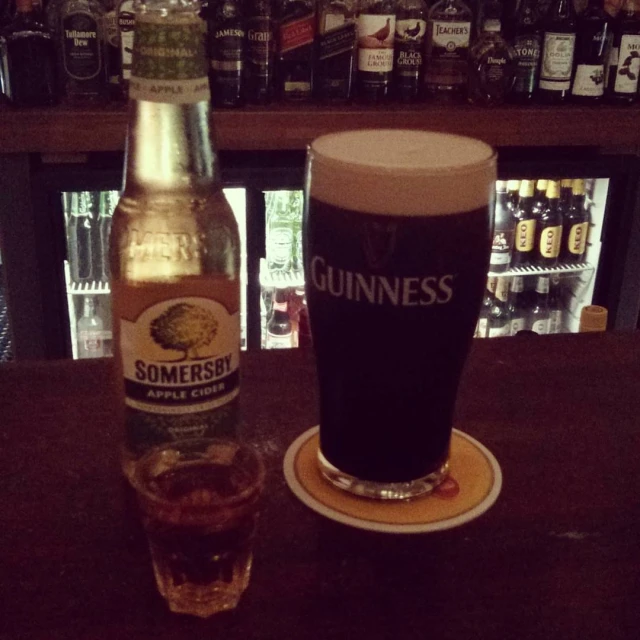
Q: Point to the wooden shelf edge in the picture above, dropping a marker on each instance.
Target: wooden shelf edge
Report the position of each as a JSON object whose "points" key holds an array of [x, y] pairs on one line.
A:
{"points": [[283, 127]]}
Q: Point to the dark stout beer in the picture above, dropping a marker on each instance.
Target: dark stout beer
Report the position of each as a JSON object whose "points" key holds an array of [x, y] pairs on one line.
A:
{"points": [[397, 250]]}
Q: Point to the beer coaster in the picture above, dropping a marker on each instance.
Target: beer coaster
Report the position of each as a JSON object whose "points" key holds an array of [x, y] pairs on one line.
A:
{"points": [[473, 485]]}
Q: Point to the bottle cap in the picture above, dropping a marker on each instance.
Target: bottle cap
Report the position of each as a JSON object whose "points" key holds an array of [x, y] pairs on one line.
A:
{"points": [[527, 188], [593, 318]]}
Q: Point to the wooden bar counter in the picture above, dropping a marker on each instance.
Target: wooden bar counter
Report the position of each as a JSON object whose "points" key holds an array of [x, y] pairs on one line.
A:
{"points": [[558, 555]]}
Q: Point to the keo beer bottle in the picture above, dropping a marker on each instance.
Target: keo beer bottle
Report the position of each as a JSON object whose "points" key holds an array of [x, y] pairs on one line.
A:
{"points": [[174, 247], [549, 233], [525, 232], [576, 227]]}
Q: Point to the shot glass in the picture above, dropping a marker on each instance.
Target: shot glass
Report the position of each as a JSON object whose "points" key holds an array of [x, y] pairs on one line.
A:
{"points": [[199, 506]]}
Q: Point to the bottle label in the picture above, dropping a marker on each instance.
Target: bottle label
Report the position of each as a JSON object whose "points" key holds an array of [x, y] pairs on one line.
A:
{"points": [[227, 53], [376, 35], [297, 33], [81, 46], [550, 242], [169, 62], [260, 43], [481, 328], [525, 235], [589, 80], [91, 342], [541, 326], [500, 248], [276, 341], [450, 39], [517, 324], [628, 64], [498, 332], [337, 36], [557, 61], [408, 46], [577, 242], [555, 321], [280, 245], [126, 24]]}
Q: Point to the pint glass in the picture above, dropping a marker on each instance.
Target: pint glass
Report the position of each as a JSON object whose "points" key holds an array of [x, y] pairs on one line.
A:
{"points": [[397, 242]]}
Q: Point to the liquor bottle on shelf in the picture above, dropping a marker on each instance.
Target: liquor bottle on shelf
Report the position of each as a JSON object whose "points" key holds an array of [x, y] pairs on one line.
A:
{"points": [[576, 226], [260, 52], [624, 68], [558, 48], [336, 46], [518, 306], [525, 226], [592, 47], [279, 328], [411, 27], [126, 22], [112, 48], [448, 39], [30, 59], [499, 320], [549, 231], [80, 237], [503, 231], [82, 54], [295, 48], [527, 44], [376, 38], [556, 310], [539, 199], [539, 319], [90, 331]]}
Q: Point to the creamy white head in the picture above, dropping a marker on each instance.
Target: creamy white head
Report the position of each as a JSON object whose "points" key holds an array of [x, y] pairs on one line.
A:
{"points": [[402, 172]]}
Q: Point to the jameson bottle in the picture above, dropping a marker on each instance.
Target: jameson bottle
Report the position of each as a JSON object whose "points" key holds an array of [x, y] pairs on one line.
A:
{"points": [[592, 48], [82, 52], [296, 34], [559, 41], [624, 69], [376, 37], [448, 38], [260, 52], [336, 46], [411, 28], [226, 52], [527, 43], [174, 247]]}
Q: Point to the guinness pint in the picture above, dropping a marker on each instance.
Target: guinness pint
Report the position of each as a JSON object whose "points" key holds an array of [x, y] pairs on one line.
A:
{"points": [[397, 235]]}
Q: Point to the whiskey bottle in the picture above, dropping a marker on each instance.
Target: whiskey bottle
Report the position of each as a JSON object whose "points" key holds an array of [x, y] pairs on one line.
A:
{"points": [[336, 46], [622, 80], [82, 56], [491, 62], [592, 47], [448, 40], [558, 49], [112, 48], [260, 52], [126, 22], [527, 43], [376, 38], [30, 73], [411, 29]]}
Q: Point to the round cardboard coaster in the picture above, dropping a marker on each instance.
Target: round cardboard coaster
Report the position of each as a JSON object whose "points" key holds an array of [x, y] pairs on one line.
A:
{"points": [[473, 485]]}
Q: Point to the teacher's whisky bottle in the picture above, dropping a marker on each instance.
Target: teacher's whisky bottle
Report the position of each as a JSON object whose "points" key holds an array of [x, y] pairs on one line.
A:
{"points": [[174, 248]]}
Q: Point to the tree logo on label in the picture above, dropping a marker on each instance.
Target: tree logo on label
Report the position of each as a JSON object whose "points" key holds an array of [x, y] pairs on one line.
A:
{"points": [[184, 327]]}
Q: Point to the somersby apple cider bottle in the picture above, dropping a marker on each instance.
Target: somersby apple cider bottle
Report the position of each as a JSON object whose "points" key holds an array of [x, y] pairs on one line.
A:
{"points": [[174, 248]]}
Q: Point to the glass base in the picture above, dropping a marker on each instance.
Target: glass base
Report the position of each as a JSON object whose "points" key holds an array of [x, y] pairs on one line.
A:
{"points": [[382, 490]]}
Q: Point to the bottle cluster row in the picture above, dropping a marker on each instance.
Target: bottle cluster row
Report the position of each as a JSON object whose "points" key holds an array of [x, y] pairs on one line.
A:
{"points": [[334, 51]]}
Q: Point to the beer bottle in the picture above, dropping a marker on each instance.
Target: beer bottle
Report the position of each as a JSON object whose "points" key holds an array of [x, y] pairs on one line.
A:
{"points": [[592, 46], [549, 234], [90, 331], [539, 316], [525, 226], [527, 43], [624, 69], [411, 27], [556, 311], [226, 52], [376, 35], [540, 199], [279, 327], [503, 230], [576, 227], [296, 35], [518, 306], [336, 45], [566, 194], [174, 247], [260, 48], [485, 309], [498, 322], [558, 46], [513, 187]]}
